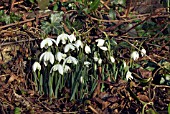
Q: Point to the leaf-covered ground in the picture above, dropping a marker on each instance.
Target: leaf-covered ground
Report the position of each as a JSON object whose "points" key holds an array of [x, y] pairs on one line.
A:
{"points": [[21, 34]]}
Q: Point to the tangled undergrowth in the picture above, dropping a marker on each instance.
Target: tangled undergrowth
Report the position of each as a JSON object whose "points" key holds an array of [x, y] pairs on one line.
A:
{"points": [[103, 86]]}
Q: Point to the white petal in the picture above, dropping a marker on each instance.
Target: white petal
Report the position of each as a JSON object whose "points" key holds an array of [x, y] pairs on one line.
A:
{"points": [[100, 61], [66, 68], [47, 42], [47, 56], [95, 59], [134, 55], [112, 59], [72, 38], [100, 42], [103, 48], [143, 52], [58, 67], [86, 63], [87, 49], [71, 59], [78, 44], [36, 66]]}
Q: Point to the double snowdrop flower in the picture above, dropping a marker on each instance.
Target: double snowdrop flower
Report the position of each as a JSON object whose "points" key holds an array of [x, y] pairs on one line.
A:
{"points": [[87, 49], [143, 52], [100, 43], [47, 56], [68, 47], [70, 59], [64, 37], [134, 55], [36, 66], [59, 56], [47, 42], [78, 44], [129, 75]]}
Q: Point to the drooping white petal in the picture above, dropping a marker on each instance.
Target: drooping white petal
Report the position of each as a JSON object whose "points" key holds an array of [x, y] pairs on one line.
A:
{"points": [[78, 44], [87, 49], [72, 38], [68, 47], [66, 68], [82, 79], [112, 59], [129, 75], [86, 63], [59, 56], [100, 42], [47, 56], [71, 59], [134, 55], [58, 67], [143, 52], [36, 66], [103, 48], [100, 61], [47, 42], [62, 37]]}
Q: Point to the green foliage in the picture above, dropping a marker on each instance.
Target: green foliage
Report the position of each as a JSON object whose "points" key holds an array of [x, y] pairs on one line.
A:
{"points": [[7, 19], [169, 108], [55, 25], [17, 110]]}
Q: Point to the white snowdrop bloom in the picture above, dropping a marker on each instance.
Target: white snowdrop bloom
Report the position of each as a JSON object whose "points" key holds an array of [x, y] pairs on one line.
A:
{"points": [[57, 67], [47, 42], [72, 38], [62, 37], [112, 59], [66, 68], [82, 79], [134, 55], [71, 59], [86, 63], [36, 66], [87, 49], [100, 42], [143, 52], [78, 44], [124, 64], [100, 61], [68, 47], [95, 59], [59, 56], [47, 56], [103, 48], [129, 75]]}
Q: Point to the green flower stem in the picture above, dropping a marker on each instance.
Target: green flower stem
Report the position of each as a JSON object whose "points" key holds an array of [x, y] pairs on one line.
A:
{"points": [[35, 81], [58, 80]]}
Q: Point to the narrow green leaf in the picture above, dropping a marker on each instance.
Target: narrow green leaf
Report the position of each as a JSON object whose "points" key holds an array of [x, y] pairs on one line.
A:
{"points": [[17, 110], [169, 108], [94, 5]]}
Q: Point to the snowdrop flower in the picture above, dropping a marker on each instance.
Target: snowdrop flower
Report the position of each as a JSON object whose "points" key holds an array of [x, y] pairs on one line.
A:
{"points": [[86, 63], [129, 75], [124, 64], [71, 59], [62, 37], [82, 79], [134, 55], [59, 56], [47, 56], [58, 67], [112, 59], [100, 44], [100, 61], [47, 42], [95, 57], [143, 52], [66, 68], [87, 49], [36, 66], [78, 44], [68, 47], [72, 38]]}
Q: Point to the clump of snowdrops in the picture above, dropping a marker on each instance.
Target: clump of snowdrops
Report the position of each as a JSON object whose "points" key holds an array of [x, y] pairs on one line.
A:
{"points": [[67, 62]]}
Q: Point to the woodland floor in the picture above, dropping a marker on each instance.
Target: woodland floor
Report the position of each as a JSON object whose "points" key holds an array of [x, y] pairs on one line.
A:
{"points": [[17, 92]]}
